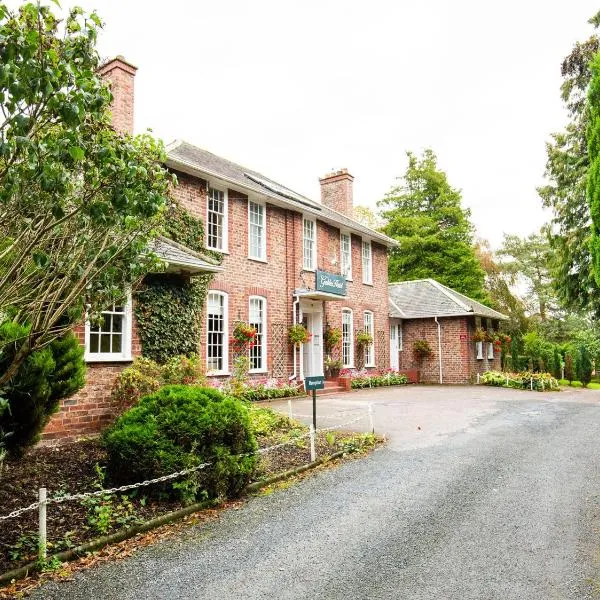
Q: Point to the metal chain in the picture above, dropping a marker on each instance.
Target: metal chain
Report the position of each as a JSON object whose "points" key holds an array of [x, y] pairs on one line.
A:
{"points": [[131, 486]]}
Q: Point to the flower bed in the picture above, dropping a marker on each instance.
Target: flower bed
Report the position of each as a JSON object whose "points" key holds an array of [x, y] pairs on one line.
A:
{"points": [[525, 380], [371, 379], [260, 389]]}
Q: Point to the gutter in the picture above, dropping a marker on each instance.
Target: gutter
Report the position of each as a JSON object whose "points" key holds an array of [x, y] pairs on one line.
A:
{"points": [[439, 326]]}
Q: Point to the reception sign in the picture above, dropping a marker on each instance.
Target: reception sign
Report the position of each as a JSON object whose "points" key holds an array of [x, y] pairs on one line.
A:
{"points": [[331, 283]]}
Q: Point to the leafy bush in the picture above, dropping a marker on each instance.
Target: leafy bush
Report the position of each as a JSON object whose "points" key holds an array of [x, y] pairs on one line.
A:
{"points": [[265, 421], [370, 379], [521, 381], [584, 366], [259, 389], [46, 377], [146, 376], [180, 427]]}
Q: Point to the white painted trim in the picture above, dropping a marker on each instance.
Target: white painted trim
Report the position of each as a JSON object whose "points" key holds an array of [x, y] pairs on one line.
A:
{"points": [[225, 370], [397, 308], [264, 344], [126, 341], [315, 253], [372, 332], [446, 293], [264, 229], [352, 349], [345, 232], [225, 248], [365, 280]]}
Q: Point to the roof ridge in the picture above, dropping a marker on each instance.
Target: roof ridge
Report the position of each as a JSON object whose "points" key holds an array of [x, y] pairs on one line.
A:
{"points": [[448, 293]]}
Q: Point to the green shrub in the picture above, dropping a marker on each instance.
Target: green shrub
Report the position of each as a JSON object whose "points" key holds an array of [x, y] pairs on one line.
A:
{"points": [[46, 377], [570, 367], [180, 427], [146, 376], [584, 366], [522, 381]]}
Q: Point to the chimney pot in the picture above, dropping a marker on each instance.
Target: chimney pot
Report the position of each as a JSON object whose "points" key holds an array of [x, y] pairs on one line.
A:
{"points": [[336, 191], [120, 75]]}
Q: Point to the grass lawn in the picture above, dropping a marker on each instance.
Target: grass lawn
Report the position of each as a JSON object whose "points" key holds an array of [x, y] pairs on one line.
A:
{"points": [[591, 386]]}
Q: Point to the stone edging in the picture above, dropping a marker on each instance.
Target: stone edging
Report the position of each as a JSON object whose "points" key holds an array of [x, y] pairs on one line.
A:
{"points": [[123, 534]]}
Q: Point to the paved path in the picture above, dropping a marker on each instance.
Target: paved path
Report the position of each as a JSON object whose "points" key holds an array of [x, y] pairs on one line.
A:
{"points": [[496, 496]]}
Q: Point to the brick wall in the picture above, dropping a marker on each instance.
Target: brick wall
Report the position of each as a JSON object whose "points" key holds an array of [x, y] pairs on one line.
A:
{"points": [[459, 362], [88, 411], [120, 75], [278, 277], [336, 191]]}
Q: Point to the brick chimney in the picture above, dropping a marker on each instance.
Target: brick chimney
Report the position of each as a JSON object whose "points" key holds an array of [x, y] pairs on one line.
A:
{"points": [[120, 75], [336, 191]]}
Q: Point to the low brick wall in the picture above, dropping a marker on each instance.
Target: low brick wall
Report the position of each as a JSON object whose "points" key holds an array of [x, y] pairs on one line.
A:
{"points": [[88, 411]]}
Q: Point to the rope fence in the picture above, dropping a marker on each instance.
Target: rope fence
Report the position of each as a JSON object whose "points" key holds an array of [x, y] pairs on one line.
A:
{"points": [[519, 382], [44, 501]]}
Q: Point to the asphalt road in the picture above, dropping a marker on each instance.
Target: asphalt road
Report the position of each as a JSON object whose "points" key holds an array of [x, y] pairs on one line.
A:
{"points": [[504, 504]]}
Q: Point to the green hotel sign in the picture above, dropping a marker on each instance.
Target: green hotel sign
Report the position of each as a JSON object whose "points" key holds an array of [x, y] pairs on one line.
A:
{"points": [[331, 283]]}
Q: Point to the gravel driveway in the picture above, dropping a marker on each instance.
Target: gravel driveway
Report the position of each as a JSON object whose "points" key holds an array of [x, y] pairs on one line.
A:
{"points": [[480, 494]]}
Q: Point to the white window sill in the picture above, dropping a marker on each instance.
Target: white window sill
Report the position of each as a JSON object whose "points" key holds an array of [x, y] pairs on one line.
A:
{"points": [[370, 366], [218, 374], [258, 371], [368, 283], [308, 270], [260, 260], [106, 358], [348, 367], [349, 279], [218, 250]]}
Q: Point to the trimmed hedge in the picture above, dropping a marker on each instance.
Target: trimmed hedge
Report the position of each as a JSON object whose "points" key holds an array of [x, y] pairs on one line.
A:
{"points": [[179, 427]]}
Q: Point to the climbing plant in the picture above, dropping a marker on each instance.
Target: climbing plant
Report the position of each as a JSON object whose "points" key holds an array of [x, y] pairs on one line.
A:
{"points": [[168, 307]]}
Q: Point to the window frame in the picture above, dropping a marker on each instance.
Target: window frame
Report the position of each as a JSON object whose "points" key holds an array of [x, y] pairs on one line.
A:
{"points": [[263, 345], [314, 244], [400, 335], [225, 356], [262, 205], [369, 350], [225, 224], [351, 352], [347, 275], [367, 274], [126, 354]]}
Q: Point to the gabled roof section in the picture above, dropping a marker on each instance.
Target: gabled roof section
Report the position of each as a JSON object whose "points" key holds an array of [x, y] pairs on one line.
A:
{"points": [[179, 258], [427, 298], [190, 159]]}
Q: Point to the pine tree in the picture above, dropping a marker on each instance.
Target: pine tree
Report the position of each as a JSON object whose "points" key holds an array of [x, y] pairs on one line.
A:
{"points": [[45, 377], [425, 215], [570, 367]]}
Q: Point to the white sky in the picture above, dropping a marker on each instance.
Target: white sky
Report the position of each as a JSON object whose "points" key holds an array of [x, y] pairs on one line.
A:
{"points": [[294, 88]]}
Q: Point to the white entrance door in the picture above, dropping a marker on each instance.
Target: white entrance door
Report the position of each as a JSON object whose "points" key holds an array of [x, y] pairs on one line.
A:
{"points": [[312, 352], [394, 347]]}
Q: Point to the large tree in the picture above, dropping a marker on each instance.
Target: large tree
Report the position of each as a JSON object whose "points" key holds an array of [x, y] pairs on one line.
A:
{"points": [[78, 201], [425, 215], [528, 261], [565, 191], [498, 285]]}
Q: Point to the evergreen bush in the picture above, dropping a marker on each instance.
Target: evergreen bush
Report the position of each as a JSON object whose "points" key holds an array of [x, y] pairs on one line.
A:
{"points": [[584, 366], [180, 427], [46, 377], [570, 367]]}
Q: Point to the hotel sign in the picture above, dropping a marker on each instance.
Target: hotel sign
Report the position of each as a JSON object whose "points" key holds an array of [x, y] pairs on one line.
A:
{"points": [[331, 283]]}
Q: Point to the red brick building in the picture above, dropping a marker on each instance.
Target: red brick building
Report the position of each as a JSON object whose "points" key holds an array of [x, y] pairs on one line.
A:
{"points": [[285, 259], [427, 310]]}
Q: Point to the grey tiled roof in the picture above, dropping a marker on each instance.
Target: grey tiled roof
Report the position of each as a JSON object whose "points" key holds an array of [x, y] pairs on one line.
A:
{"points": [[181, 154], [181, 257], [426, 298]]}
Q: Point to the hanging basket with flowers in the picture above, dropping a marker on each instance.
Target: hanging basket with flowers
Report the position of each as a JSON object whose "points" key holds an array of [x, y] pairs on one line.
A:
{"points": [[298, 334], [363, 338], [479, 335], [332, 338], [422, 349], [243, 337]]}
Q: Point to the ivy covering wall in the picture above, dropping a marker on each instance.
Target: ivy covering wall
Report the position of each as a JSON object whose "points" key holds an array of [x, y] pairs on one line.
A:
{"points": [[168, 307]]}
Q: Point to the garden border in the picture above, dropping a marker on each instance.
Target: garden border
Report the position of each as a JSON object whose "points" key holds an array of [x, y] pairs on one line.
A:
{"points": [[124, 534]]}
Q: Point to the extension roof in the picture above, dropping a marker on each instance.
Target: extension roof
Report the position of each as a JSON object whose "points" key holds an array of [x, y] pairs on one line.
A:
{"points": [[190, 159], [180, 258], [427, 298]]}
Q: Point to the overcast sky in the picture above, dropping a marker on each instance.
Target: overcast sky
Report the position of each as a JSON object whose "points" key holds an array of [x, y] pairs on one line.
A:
{"points": [[293, 89]]}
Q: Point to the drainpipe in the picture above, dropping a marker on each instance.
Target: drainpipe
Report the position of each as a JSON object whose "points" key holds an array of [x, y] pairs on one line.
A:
{"points": [[295, 305], [439, 347]]}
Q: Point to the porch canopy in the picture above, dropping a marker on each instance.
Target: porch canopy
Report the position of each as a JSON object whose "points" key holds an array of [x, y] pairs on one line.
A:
{"points": [[180, 259], [307, 294]]}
